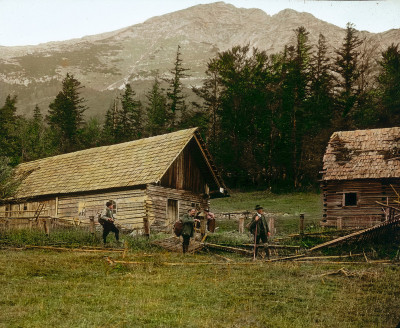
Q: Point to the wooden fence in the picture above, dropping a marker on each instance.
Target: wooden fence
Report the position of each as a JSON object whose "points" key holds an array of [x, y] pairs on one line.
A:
{"points": [[45, 223]]}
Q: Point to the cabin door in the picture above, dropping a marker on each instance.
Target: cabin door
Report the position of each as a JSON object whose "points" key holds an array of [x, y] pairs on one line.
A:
{"points": [[172, 212]]}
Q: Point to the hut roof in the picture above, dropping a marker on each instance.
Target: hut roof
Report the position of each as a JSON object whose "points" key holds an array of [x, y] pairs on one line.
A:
{"points": [[121, 165], [363, 154]]}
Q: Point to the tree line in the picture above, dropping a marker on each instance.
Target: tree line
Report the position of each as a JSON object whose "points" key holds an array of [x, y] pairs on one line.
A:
{"points": [[265, 118]]}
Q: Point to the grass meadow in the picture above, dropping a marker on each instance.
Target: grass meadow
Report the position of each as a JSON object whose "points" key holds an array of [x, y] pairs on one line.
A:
{"points": [[156, 288]]}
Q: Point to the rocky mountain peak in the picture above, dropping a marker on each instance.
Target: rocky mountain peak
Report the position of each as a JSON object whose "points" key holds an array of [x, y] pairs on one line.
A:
{"points": [[104, 63]]}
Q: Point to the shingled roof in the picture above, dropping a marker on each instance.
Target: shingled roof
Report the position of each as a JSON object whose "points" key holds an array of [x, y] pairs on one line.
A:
{"points": [[363, 154], [122, 165]]}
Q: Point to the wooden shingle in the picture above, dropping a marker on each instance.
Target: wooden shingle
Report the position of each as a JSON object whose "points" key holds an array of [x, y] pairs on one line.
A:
{"points": [[127, 164], [363, 154]]}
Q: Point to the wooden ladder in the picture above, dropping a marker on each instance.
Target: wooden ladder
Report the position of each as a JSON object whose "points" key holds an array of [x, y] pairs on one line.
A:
{"points": [[38, 211]]}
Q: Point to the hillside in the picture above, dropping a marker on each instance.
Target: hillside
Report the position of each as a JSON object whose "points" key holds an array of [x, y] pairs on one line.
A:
{"points": [[105, 62]]}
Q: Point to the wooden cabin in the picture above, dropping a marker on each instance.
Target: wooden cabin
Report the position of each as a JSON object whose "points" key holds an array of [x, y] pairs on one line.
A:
{"points": [[361, 169], [153, 180]]}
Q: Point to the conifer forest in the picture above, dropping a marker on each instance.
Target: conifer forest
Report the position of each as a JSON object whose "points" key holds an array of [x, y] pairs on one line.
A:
{"points": [[266, 119]]}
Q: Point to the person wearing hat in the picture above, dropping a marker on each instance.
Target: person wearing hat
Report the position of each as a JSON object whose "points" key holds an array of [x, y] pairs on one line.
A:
{"points": [[108, 222], [259, 227], [188, 220]]}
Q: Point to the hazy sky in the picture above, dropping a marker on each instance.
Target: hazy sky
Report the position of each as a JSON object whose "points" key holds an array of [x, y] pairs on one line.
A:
{"points": [[24, 22]]}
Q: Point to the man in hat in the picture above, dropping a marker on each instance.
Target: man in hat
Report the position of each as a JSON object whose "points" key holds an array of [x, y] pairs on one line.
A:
{"points": [[188, 221], [259, 227], [108, 222]]}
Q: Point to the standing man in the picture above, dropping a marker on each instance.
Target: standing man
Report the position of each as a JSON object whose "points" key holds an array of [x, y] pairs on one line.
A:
{"points": [[259, 228], [188, 221], [107, 221]]}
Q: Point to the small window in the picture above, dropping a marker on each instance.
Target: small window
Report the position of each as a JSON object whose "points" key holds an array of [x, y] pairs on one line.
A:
{"points": [[350, 199], [196, 206]]}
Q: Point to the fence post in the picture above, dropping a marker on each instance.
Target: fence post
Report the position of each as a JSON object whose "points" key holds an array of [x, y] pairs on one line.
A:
{"points": [[301, 223], [92, 225], [146, 227], [46, 226], [272, 226], [241, 224], [339, 224]]}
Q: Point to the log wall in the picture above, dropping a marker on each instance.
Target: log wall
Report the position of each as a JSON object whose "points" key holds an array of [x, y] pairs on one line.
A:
{"points": [[133, 207], [159, 196], [27, 209], [367, 212], [130, 207]]}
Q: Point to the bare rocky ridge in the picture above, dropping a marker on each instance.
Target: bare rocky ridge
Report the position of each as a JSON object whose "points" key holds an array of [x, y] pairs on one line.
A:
{"points": [[105, 62]]}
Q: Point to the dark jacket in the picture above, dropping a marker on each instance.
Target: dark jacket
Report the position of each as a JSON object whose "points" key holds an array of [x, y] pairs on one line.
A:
{"points": [[188, 225], [262, 225]]}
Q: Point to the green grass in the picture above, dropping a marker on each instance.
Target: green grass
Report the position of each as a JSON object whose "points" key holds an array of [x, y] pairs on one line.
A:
{"points": [[285, 208], [43, 288], [63, 289]]}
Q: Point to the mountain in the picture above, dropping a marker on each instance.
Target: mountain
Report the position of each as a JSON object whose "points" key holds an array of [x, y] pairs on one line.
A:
{"points": [[103, 63]]}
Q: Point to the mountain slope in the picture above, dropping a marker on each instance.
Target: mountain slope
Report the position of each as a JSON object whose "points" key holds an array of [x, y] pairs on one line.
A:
{"points": [[105, 62]]}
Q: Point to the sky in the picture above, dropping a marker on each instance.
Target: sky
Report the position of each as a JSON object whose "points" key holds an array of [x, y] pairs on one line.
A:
{"points": [[31, 22]]}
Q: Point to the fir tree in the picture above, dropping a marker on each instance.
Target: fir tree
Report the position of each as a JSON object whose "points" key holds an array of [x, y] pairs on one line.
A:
{"points": [[129, 118], [347, 67], [65, 115], [157, 110], [175, 95], [9, 139], [388, 87]]}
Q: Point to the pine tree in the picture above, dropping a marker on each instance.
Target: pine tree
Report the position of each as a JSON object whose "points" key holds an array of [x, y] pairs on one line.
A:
{"points": [[295, 81], [176, 97], [210, 92], [110, 127], [129, 118], [347, 67], [35, 142], [8, 182], [91, 135], [9, 139], [318, 114], [157, 110], [65, 115], [388, 87]]}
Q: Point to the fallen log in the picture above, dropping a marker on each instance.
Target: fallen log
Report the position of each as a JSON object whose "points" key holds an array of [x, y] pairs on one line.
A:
{"points": [[288, 258], [119, 250], [228, 249], [273, 246], [112, 261]]}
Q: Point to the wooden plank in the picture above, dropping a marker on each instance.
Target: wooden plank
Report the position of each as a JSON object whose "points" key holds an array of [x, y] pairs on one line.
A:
{"points": [[355, 234]]}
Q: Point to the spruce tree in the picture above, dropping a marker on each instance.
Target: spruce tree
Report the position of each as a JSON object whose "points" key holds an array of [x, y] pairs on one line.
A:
{"points": [[210, 92], [110, 127], [35, 142], [9, 139], [129, 117], [8, 182], [157, 110], [347, 67], [65, 115], [388, 87], [176, 97]]}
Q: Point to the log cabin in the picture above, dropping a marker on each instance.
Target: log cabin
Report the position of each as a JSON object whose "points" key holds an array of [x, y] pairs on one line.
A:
{"points": [[151, 181], [360, 170]]}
